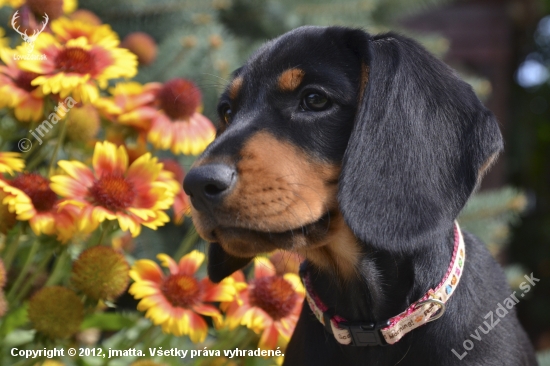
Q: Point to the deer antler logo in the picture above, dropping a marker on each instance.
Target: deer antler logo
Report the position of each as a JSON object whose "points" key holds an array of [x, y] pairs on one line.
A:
{"points": [[29, 39]]}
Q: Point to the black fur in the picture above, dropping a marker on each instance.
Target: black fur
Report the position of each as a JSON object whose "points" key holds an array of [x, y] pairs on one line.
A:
{"points": [[222, 264], [410, 150], [419, 139]]}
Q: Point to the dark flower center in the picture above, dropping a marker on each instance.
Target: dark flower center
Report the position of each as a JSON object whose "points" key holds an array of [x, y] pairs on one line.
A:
{"points": [[24, 79], [179, 99], [38, 189], [75, 59], [181, 290], [113, 192], [274, 295]]}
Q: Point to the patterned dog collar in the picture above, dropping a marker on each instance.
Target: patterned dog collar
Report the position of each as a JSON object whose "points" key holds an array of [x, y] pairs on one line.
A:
{"points": [[429, 308]]}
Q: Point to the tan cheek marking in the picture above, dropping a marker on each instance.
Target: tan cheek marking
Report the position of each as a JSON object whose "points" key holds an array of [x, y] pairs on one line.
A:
{"points": [[279, 186], [338, 251], [290, 79], [235, 87], [203, 224]]}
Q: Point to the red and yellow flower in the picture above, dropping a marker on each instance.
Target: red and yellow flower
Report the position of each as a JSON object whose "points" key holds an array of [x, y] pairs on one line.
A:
{"points": [[77, 67], [103, 35], [180, 126], [286, 262], [66, 222], [270, 304], [175, 301], [114, 190], [172, 170], [11, 162], [29, 195], [131, 104], [16, 90]]}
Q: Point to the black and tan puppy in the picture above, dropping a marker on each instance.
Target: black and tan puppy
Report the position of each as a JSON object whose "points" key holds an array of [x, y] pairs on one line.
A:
{"points": [[358, 152]]}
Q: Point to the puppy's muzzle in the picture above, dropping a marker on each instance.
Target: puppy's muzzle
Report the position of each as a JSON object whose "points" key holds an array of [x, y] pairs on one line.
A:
{"points": [[207, 185]]}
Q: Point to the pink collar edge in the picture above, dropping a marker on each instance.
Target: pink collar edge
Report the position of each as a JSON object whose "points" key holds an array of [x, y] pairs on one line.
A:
{"points": [[428, 308]]}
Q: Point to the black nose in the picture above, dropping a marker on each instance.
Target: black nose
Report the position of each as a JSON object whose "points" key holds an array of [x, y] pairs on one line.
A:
{"points": [[207, 184]]}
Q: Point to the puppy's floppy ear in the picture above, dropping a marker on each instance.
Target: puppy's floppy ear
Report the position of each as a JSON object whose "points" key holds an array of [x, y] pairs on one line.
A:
{"points": [[419, 141], [222, 264]]}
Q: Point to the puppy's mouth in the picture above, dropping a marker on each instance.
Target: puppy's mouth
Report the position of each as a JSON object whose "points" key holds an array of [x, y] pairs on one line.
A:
{"points": [[244, 242]]}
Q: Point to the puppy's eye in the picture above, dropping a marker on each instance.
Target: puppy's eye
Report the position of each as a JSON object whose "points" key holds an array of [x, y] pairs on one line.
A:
{"points": [[226, 113], [315, 102]]}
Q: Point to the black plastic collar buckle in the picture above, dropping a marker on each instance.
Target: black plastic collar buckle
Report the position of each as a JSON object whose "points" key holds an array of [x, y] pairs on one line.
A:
{"points": [[365, 334]]}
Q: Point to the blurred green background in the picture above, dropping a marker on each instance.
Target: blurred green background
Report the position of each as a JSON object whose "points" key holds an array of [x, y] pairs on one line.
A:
{"points": [[501, 47]]}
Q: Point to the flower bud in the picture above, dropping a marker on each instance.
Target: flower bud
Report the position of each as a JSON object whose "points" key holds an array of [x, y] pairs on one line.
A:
{"points": [[54, 8], [85, 16], [101, 273], [56, 312], [82, 123], [142, 45]]}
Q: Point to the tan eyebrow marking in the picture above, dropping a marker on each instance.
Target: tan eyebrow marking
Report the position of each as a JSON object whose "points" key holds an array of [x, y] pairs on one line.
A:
{"points": [[235, 87], [290, 79]]}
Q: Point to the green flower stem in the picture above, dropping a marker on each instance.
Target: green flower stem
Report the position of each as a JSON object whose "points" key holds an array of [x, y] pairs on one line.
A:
{"points": [[107, 227], [154, 333], [144, 334], [38, 158], [57, 146], [248, 340], [188, 241], [11, 250], [28, 284], [32, 127], [58, 269], [21, 277], [101, 236], [31, 361], [241, 337]]}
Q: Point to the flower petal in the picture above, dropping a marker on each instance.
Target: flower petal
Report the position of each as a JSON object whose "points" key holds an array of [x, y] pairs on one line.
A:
{"points": [[263, 267], [108, 159], [168, 262], [198, 329], [296, 283], [78, 171], [190, 263], [210, 311], [146, 270], [269, 338]]}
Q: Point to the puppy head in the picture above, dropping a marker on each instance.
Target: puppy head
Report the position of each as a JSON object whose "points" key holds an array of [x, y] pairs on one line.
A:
{"points": [[327, 135]]}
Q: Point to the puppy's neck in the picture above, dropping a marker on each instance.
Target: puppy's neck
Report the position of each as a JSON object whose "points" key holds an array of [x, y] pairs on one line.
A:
{"points": [[338, 252], [382, 283]]}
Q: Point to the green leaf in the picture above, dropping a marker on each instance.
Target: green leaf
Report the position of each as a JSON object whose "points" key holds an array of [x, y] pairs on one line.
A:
{"points": [[14, 319], [18, 337], [107, 321]]}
